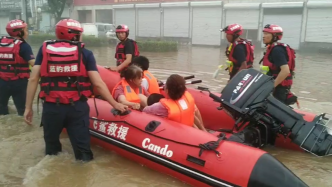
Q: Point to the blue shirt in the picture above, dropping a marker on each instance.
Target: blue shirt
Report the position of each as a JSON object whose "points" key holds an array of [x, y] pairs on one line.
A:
{"points": [[240, 54], [26, 52], [278, 56], [88, 57]]}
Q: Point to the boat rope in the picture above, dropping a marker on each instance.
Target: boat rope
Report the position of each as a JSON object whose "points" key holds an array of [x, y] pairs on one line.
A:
{"points": [[212, 145]]}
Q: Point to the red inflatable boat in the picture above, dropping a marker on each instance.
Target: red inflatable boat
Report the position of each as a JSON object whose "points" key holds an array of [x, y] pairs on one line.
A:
{"points": [[219, 120], [191, 155]]}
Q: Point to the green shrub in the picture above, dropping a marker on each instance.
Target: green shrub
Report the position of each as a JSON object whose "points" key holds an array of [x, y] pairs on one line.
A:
{"points": [[157, 46], [149, 46], [38, 39]]}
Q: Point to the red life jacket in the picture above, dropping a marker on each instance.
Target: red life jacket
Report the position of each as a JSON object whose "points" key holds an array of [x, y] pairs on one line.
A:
{"points": [[274, 70], [64, 78], [249, 51], [120, 53], [12, 65]]}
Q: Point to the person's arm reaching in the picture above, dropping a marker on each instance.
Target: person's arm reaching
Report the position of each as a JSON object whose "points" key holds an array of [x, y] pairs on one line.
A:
{"points": [[103, 90], [125, 63], [100, 85]]}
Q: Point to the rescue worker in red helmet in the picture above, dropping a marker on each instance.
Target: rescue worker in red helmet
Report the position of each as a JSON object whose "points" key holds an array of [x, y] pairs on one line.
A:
{"points": [[67, 71], [279, 62], [126, 49], [15, 57], [240, 52]]}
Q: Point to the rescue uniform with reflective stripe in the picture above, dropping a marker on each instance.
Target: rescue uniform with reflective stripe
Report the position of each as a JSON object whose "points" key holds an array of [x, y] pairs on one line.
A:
{"points": [[232, 64], [64, 78], [14, 73], [152, 81], [55, 117], [182, 110], [272, 70], [12, 65], [130, 94], [282, 91]]}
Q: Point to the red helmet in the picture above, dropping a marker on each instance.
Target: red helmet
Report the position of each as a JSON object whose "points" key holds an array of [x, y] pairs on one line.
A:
{"points": [[14, 27], [67, 29], [233, 29], [122, 28], [276, 30]]}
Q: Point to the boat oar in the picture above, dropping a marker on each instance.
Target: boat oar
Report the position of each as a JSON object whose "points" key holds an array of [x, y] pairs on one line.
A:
{"points": [[189, 77], [187, 83], [161, 83]]}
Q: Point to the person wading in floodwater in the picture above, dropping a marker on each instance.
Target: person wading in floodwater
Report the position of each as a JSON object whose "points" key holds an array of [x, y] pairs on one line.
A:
{"points": [[279, 62], [15, 57], [240, 52], [126, 49], [67, 72]]}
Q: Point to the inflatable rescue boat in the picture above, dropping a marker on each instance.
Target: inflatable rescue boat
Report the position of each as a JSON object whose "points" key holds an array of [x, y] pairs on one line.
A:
{"points": [[191, 155], [255, 118]]}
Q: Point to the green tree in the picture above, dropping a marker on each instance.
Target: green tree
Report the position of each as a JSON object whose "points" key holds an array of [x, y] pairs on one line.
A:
{"points": [[56, 7]]}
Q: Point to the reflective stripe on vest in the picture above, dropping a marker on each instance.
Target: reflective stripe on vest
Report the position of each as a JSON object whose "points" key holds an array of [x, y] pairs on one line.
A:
{"points": [[64, 78], [130, 94], [12, 65], [182, 110], [152, 81], [270, 69], [231, 63]]}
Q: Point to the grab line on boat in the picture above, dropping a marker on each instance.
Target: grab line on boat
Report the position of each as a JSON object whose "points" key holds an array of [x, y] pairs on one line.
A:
{"points": [[166, 162]]}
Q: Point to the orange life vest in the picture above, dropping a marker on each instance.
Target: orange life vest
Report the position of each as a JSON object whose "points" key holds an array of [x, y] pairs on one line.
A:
{"points": [[12, 65], [153, 83], [182, 110], [130, 94]]}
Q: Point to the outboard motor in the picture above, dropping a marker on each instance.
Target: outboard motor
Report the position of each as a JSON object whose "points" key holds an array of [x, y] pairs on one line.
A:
{"points": [[248, 99]]}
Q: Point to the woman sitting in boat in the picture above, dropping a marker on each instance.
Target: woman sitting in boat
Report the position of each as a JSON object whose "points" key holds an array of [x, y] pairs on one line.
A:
{"points": [[179, 105], [149, 82], [129, 90]]}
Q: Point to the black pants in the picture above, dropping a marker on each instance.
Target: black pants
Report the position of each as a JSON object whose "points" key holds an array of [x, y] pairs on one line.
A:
{"points": [[76, 120], [283, 94], [17, 89]]}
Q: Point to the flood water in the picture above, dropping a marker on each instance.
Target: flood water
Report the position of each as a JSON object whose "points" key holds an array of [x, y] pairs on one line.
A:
{"points": [[22, 160]]}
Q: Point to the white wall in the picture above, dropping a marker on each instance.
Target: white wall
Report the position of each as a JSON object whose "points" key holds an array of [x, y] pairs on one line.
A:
{"points": [[304, 20]]}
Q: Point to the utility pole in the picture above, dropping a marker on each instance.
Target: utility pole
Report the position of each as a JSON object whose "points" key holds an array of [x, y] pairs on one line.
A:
{"points": [[24, 15]]}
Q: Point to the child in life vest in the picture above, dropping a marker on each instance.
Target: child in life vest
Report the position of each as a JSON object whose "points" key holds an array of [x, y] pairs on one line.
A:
{"points": [[158, 106], [129, 90], [149, 82]]}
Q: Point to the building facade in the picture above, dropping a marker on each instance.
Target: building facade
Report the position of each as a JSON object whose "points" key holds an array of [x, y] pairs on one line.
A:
{"points": [[198, 22]]}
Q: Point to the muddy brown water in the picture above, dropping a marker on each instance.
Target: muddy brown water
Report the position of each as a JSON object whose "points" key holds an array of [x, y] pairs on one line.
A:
{"points": [[22, 160]]}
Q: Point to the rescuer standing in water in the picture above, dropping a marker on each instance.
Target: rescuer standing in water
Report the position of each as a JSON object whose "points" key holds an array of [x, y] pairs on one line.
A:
{"points": [[15, 57], [240, 52], [126, 49], [67, 71], [279, 62]]}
